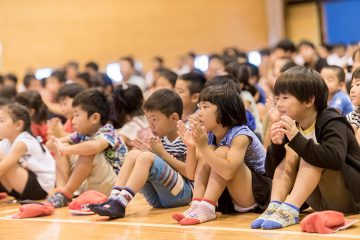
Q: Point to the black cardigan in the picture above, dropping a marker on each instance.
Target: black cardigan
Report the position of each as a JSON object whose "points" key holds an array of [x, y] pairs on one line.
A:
{"points": [[337, 150]]}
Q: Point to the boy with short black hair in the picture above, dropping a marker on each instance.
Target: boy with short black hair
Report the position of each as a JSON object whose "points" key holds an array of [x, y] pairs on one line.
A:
{"points": [[334, 78], [160, 172], [314, 156], [189, 86], [100, 148]]}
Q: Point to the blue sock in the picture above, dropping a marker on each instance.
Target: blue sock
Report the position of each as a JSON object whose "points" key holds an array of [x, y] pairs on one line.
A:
{"points": [[273, 205], [286, 215]]}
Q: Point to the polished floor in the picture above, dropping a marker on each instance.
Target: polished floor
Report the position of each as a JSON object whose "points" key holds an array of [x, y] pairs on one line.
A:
{"points": [[143, 222]]}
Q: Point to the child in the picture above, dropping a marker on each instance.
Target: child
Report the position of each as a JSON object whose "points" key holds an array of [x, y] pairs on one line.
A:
{"points": [[159, 173], [334, 77], [64, 164], [228, 156], [354, 116], [128, 100], [64, 97], [38, 112], [189, 86], [314, 156], [48, 94], [164, 78], [100, 148], [27, 169]]}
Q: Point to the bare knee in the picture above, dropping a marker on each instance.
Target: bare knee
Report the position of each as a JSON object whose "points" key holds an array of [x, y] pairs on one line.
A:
{"points": [[145, 157]]}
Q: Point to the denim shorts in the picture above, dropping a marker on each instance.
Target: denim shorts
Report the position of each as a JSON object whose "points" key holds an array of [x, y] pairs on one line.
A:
{"points": [[166, 187]]}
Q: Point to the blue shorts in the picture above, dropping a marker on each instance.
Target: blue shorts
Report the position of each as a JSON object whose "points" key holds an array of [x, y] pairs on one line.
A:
{"points": [[166, 187]]}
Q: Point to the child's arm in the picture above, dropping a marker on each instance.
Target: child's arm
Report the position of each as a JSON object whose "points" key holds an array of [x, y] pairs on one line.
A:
{"points": [[191, 157], [225, 167], [13, 157], [86, 148], [157, 148]]}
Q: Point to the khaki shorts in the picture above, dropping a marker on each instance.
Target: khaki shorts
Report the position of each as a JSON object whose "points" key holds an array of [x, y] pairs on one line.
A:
{"points": [[331, 194], [102, 177]]}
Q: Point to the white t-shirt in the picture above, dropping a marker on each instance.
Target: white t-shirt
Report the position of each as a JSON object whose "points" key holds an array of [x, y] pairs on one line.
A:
{"points": [[137, 127], [35, 159]]}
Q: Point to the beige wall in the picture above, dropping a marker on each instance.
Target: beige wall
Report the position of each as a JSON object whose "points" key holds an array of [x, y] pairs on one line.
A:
{"points": [[43, 33], [302, 22]]}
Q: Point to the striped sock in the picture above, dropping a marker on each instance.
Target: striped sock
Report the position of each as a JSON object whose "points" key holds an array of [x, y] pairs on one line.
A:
{"points": [[204, 212], [284, 216], [193, 205], [273, 205]]}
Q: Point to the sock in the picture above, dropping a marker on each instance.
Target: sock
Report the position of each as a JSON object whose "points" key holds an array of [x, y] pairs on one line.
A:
{"points": [[273, 205], [115, 206], [193, 205], [204, 212], [284, 216]]}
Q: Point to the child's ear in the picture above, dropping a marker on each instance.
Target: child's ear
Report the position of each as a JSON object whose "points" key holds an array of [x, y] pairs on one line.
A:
{"points": [[175, 117], [19, 124], [95, 118], [195, 97], [310, 101]]}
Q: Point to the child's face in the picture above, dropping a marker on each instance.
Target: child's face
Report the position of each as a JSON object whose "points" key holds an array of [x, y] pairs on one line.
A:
{"points": [[355, 91], [66, 107], [162, 83], [290, 106], [52, 85], [160, 124], [7, 125], [208, 115], [331, 80], [83, 123], [182, 88]]}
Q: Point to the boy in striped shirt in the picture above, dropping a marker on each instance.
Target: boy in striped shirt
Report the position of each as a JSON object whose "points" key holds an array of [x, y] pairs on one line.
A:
{"points": [[159, 173]]}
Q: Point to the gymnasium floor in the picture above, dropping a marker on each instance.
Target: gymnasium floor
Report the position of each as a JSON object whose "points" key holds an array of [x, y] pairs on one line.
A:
{"points": [[143, 222]]}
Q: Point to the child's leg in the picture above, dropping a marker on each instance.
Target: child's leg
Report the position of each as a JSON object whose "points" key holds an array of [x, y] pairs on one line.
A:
{"points": [[201, 180], [205, 210], [120, 197], [127, 167], [22, 184], [287, 214], [282, 183], [62, 170]]}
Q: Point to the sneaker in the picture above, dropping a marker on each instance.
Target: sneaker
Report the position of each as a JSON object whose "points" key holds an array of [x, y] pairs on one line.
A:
{"points": [[59, 200]]}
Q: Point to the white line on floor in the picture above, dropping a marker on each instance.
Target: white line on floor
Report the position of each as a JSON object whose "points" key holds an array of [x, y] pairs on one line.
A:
{"points": [[133, 224]]}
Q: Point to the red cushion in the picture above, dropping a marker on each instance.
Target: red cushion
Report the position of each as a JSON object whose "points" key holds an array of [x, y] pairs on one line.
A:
{"points": [[88, 197], [322, 222], [34, 210]]}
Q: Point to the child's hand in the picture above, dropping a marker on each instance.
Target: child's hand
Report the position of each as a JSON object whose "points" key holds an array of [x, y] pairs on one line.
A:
{"points": [[185, 134], [199, 134], [273, 113], [55, 127], [288, 127], [61, 148], [156, 146], [139, 144], [277, 137], [50, 144]]}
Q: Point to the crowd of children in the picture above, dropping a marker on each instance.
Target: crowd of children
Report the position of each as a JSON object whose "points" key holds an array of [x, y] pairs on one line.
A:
{"points": [[237, 138]]}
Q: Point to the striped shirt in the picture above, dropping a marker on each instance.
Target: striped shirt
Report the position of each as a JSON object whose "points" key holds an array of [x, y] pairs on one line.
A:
{"points": [[354, 117], [176, 148]]}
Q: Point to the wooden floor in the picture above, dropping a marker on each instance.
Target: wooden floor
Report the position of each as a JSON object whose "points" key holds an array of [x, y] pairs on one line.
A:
{"points": [[143, 222]]}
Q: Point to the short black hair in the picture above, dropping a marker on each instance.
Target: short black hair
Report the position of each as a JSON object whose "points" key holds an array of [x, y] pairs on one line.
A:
{"points": [[286, 44], [356, 74], [289, 64], [196, 81], [28, 78], [340, 73], [226, 95], [69, 90], [306, 43], [92, 65], [86, 77], [164, 101], [60, 75], [93, 101], [129, 60], [169, 75], [12, 77], [303, 83], [8, 92]]}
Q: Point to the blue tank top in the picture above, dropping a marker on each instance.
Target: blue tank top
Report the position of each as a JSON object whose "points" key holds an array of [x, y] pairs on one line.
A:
{"points": [[255, 153]]}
